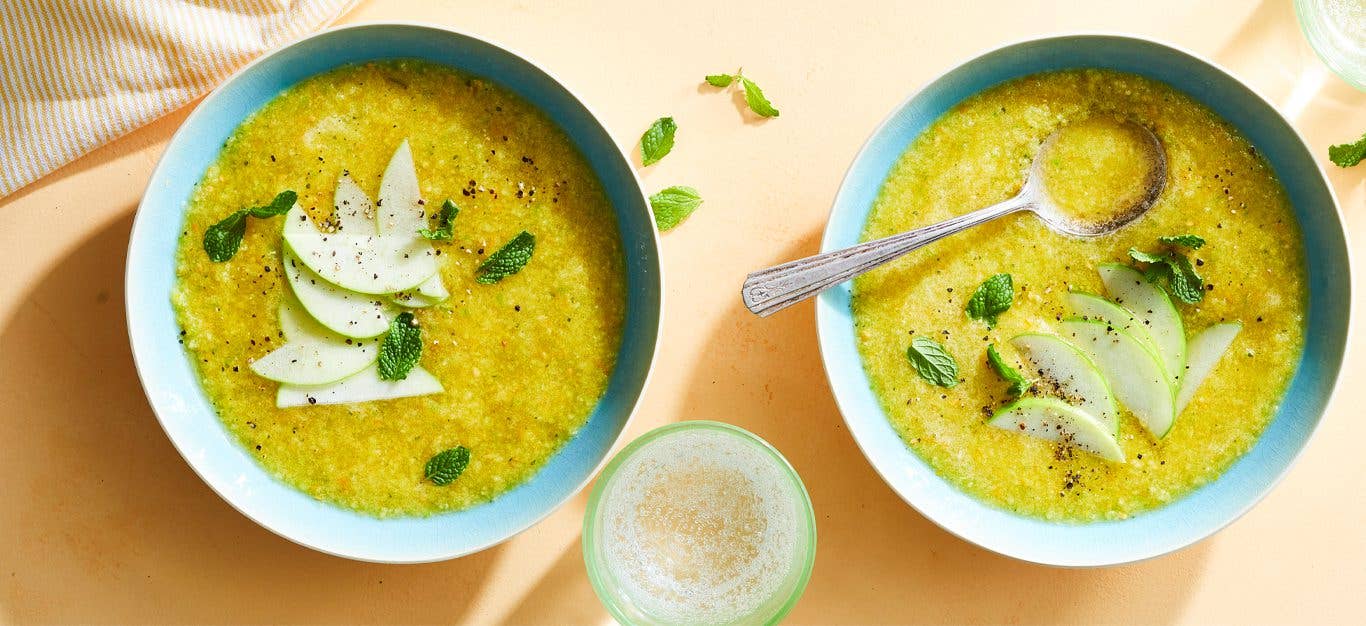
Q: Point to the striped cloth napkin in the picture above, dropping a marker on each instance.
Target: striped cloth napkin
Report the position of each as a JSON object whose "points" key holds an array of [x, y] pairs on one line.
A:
{"points": [[76, 74]]}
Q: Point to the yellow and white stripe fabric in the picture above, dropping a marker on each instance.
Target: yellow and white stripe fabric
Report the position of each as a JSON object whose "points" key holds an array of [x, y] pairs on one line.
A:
{"points": [[76, 74]]}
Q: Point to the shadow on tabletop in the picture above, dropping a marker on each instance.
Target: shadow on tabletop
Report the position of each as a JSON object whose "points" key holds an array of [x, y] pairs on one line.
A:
{"points": [[563, 595], [878, 560], [105, 523]]}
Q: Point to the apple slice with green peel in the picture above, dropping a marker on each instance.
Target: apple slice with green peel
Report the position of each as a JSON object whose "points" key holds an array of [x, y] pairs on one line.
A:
{"points": [[1205, 352], [1077, 379], [312, 354], [430, 293], [342, 311], [364, 386], [1055, 420], [357, 259], [401, 209], [1153, 307], [351, 209], [1136, 376], [1095, 308]]}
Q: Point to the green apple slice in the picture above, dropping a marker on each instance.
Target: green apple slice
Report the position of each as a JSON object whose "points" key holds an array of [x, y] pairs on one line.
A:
{"points": [[1074, 375], [1093, 307], [401, 210], [364, 386], [1205, 352], [1135, 374], [351, 209], [1055, 420], [342, 311], [312, 354], [429, 293], [1151, 306], [359, 259]]}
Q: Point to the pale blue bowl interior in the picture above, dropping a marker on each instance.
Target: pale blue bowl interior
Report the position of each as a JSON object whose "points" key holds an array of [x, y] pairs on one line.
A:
{"points": [[1206, 510], [190, 421]]}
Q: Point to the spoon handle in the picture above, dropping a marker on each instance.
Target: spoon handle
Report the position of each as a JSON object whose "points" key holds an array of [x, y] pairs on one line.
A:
{"points": [[771, 290]]}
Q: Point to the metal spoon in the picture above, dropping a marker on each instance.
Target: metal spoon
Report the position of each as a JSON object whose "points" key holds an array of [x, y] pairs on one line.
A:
{"points": [[768, 291]]}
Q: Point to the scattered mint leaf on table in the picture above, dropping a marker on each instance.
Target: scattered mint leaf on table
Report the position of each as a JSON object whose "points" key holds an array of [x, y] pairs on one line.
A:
{"points": [[673, 205], [720, 80], [657, 141], [1018, 383], [222, 240], [933, 362], [508, 260], [444, 217], [401, 348], [754, 96], [1348, 154], [992, 298], [446, 466]]}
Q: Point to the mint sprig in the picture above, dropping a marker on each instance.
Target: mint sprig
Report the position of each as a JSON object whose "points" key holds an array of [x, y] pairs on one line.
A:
{"points": [[446, 466], [754, 96], [657, 141], [1018, 383], [933, 362], [673, 205], [401, 348], [1174, 269], [508, 260], [992, 298], [443, 231], [222, 240], [1348, 154]]}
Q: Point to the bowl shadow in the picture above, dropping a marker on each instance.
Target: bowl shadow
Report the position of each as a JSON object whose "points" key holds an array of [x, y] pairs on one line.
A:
{"points": [[878, 560], [105, 523]]}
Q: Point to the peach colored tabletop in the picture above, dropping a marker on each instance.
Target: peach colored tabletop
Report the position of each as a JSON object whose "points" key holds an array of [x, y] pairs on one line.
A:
{"points": [[101, 521]]}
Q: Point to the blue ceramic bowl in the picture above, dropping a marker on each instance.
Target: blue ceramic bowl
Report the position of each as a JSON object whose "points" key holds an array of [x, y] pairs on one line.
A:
{"points": [[186, 414], [1200, 513]]}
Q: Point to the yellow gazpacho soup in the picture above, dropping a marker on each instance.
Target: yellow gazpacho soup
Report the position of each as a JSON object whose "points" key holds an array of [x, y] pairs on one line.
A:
{"points": [[1219, 188], [521, 362]]}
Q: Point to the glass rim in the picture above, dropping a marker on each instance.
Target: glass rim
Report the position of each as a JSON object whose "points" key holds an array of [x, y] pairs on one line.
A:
{"points": [[1306, 12], [596, 569]]}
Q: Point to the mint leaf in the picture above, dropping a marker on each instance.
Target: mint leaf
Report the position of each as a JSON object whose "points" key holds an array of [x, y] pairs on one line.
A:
{"points": [[754, 97], [1146, 257], [673, 205], [222, 240], [992, 298], [282, 203], [1018, 383], [720, 80], [508, 260], [443, 230], [1186, 241], [933, 362], [1182, 281], [1185, 283], [657, 141], [1348, 154], [446, 466], [401, 348]]}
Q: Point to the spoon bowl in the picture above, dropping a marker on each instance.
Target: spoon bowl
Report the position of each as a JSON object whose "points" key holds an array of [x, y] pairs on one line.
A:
{"points": [[768, 291]]}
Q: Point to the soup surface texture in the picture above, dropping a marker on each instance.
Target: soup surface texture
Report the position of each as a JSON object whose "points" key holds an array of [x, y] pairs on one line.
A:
{"points": [[523, 361], [977, 154]]}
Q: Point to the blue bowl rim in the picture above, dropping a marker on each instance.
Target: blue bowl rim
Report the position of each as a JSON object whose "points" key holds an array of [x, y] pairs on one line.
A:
{"points": [[139, 222], [825, 324]]}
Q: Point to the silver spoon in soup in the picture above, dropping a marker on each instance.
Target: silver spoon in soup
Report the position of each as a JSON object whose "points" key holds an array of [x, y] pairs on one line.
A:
{"points": [[1088, 179]]}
